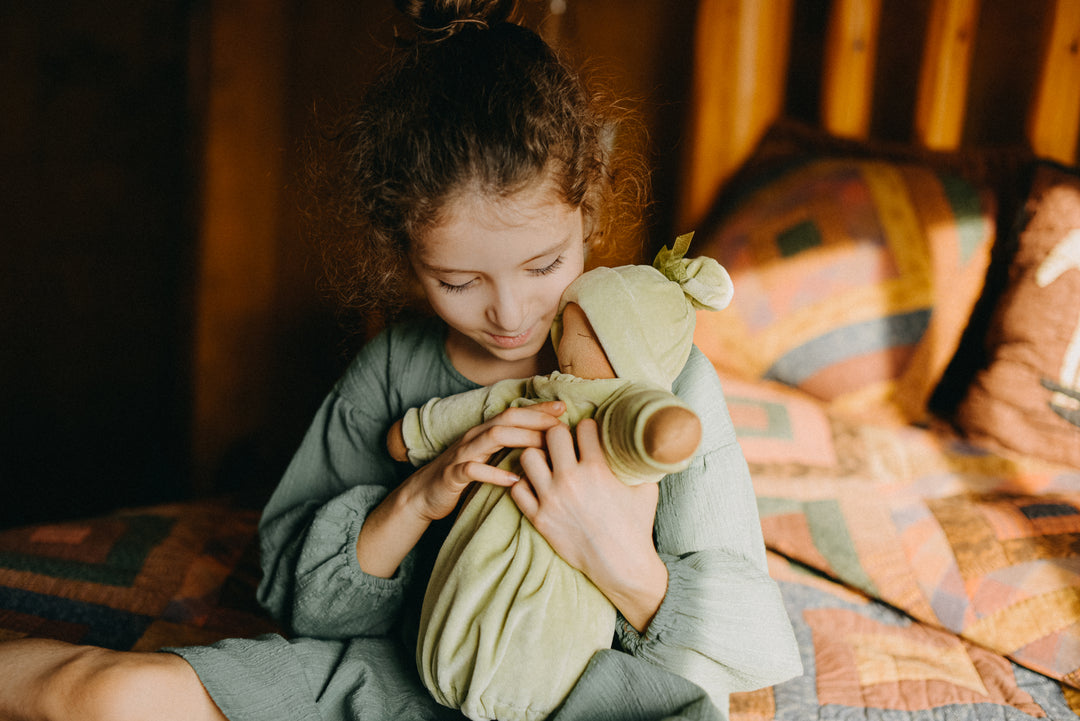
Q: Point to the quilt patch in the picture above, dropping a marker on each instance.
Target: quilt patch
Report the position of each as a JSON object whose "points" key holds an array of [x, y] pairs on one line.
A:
{"points": [[865, 659], [167, 575]]}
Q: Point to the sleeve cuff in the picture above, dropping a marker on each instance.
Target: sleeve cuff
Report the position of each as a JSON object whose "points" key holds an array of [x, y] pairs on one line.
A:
{"points": [[722, 625], [335, 598], [633, 640]]}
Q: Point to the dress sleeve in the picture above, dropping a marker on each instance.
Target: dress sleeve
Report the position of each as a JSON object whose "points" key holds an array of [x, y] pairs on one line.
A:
{"points": [[312, 581], [722, 623]]}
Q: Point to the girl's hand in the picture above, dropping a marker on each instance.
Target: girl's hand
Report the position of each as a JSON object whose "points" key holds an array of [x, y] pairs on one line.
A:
{"points": [[598, 524], [393, 527], [438, 485]]}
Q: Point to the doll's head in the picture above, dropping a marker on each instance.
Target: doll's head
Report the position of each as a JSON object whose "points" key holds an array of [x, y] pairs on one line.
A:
{"points": [[641, 317], [578, 349]]}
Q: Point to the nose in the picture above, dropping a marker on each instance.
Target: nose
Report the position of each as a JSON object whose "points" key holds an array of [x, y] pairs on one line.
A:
{"points": [[506, 308]]}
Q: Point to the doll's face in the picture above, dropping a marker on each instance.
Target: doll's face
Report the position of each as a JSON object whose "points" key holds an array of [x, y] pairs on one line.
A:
{"points": [[579, 351]]}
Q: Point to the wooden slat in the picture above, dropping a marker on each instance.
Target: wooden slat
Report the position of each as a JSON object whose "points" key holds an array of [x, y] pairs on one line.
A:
{"points": [[1054, 120], [740, 61], [848, 75], [243, 176], [943, 77]]}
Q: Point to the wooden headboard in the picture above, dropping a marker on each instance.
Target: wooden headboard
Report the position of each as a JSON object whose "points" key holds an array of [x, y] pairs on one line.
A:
{"points": [[961, 59]]}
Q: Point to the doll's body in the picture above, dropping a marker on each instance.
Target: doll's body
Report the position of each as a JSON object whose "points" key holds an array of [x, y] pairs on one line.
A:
{"points": [[507, 625]]}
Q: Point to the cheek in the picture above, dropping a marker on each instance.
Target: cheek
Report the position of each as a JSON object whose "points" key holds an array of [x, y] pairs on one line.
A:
{"points": [[546, 297], [556, 283], [452, 308]]}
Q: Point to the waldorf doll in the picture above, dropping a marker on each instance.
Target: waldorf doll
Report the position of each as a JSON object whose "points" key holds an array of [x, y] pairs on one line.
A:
{"points": [[507, 625]]}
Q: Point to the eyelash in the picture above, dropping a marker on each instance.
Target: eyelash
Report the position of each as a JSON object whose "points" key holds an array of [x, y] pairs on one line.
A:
{"points": [[555, 264], [454, 288], [546, 270]]}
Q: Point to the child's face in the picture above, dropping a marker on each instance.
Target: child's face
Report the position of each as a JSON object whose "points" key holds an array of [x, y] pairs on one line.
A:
{"points": [[495, 269], [579, 351]]}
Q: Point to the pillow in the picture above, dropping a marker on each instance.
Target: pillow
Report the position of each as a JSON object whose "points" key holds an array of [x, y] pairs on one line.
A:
{"points": [[776, 424], [1028, 398], [854, 280]]}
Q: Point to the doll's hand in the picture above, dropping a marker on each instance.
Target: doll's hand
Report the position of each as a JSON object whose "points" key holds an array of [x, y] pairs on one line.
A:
{"points": [[598, 524], [395, 443], [672, 434]]}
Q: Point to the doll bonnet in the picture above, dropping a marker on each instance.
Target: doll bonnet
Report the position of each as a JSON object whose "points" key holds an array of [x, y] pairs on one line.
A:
{"points": [[644, 315]]}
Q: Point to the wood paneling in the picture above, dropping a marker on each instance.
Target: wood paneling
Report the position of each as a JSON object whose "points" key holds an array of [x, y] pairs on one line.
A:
{"points": [[943, 77], [741, 57], [1054, 121], [242, 192], [848, 75]]}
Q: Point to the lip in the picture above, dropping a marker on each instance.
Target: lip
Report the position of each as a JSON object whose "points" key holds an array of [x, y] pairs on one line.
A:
{"points": [[509, 342]]}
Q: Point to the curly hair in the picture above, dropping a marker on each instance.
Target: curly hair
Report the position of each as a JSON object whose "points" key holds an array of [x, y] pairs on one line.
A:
{"points": [[475, 103]]}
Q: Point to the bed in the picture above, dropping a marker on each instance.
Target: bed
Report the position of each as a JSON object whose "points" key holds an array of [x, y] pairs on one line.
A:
{"points": [[901, 363]]}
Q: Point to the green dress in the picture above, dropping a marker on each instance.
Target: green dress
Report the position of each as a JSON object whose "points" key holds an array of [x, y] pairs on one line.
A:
{"points": [[349, 655]]}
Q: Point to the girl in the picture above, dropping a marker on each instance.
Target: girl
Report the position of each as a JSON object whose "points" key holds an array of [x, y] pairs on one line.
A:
{"points": [[478, 169]]}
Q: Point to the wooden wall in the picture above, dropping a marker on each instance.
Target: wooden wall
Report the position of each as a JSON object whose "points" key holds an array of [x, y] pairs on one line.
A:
{"points": [[163, 333], [96, 231], [940, 74]]}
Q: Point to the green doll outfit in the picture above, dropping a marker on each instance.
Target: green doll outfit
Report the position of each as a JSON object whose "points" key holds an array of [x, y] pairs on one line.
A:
{"points": [[349, 650], [507, 626]]}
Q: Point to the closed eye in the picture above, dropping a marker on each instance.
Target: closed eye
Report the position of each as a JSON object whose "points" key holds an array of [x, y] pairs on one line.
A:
{"points": [[451, 288], [555, 264], [459, 288]]}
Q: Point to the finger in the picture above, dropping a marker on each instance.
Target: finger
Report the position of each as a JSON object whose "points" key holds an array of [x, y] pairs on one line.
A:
{"points": [[538, 415], [552, 408], [539, 418], [486, 473], [588, 440], [534, 464], [481, 442], [560, 446], [521, 493]]}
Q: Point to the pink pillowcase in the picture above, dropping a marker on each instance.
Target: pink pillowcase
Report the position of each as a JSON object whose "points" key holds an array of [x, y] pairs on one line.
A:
{"points": [[1028, 398]]}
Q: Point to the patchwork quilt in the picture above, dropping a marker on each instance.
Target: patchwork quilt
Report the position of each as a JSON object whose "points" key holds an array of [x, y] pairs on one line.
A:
{"points": [[140, 579]]}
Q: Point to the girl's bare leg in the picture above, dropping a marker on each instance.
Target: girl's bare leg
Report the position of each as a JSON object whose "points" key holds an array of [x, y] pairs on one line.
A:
{"points": [[45, 680]]}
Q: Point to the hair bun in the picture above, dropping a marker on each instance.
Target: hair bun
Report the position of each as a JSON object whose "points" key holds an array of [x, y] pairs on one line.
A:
{"points": [[446, 17]]}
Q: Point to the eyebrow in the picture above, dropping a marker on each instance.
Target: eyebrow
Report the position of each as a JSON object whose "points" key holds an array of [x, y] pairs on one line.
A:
{"points": [[555, 247]]}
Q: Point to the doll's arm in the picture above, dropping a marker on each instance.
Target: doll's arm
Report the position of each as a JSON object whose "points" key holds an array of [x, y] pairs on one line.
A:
{"points": [[425, 432], [395, 442], [647, 433]]}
